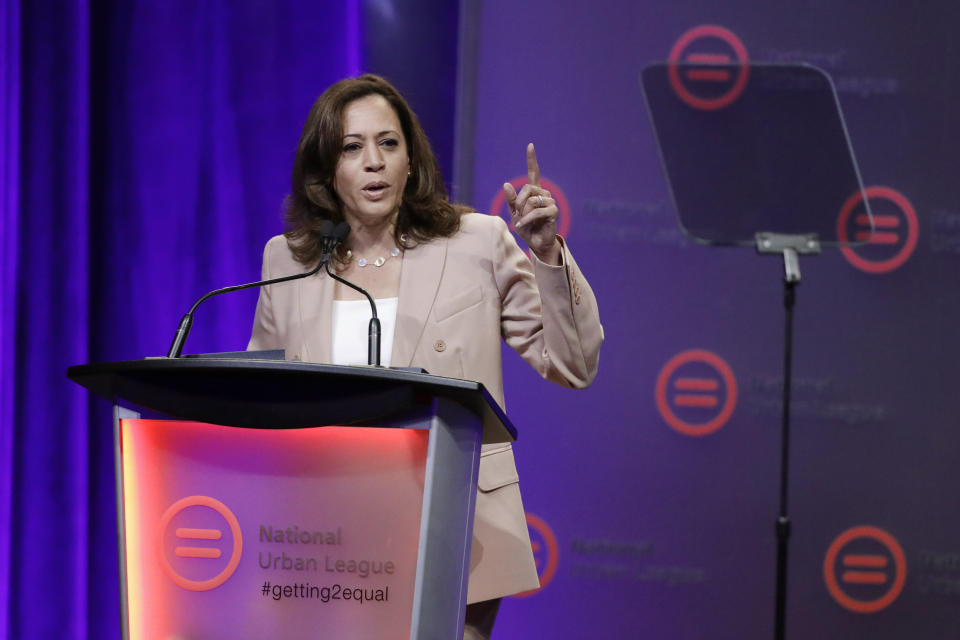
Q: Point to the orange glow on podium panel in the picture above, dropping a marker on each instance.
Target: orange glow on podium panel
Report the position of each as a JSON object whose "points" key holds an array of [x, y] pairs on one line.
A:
{"points": [[249, 533]]}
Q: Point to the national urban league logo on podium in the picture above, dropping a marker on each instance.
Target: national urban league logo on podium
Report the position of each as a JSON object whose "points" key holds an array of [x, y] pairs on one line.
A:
{"points": [[696, 392], [865, 569], [894, 235], [200, 543], [546, 552], [708, 67]]}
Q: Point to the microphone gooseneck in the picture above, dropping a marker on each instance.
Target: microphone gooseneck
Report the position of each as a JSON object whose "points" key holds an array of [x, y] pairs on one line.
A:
{"points": [[330, 237], [339, 235], [373, 331]]}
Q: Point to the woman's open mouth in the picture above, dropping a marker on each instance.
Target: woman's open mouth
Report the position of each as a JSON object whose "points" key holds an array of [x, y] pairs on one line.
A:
{"points": [[375, 190]]}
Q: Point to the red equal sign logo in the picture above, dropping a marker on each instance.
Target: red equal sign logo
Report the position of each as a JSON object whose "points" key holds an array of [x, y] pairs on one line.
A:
{"points": [[184, 533], [696, 392], [865, 569], [187, 560], [708, 75], [889, 241], [695, 53], [867, 232]]}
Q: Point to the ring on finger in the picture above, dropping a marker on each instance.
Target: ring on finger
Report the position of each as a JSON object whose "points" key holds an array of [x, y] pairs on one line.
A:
{"points": [[541, 200]]}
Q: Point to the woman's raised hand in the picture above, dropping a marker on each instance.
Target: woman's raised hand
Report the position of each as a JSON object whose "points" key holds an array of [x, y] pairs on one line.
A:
{"points": [[534, 213]]}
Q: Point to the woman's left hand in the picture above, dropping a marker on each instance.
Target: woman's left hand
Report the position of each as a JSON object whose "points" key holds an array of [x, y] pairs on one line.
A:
{"points": [[534, 213]]}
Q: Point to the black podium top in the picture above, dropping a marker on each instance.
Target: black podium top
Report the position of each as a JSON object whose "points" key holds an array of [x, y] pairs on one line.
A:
{"points": [[283, 394]]}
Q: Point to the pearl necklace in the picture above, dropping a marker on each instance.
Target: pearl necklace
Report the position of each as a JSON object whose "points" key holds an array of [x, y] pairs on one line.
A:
{"points": [[362, 262]]}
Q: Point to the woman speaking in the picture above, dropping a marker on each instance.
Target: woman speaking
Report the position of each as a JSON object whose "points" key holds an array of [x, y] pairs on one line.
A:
{"points": [[448, 284]]}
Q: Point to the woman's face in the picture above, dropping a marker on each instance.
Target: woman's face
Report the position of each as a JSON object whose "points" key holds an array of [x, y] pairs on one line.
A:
{"points": [[372, 170]]}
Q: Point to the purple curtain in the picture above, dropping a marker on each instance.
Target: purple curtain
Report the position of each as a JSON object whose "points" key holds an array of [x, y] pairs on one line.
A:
{"points": [[46, 501], [144, 154], [9, 177]]}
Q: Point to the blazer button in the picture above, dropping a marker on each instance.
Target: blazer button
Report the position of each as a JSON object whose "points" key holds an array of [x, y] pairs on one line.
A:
{"points": [[439, 345]]}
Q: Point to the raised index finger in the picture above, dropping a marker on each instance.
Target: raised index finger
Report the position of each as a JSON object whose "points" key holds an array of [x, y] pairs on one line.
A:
{"points": [[533, 169]]}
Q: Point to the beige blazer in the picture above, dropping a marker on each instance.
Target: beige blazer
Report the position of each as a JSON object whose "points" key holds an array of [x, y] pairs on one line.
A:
{"points": [[458, 297]]}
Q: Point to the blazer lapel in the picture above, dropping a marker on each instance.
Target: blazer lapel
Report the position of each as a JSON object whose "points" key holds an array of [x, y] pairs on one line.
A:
{"points": [[419, 281], [316, 317]]}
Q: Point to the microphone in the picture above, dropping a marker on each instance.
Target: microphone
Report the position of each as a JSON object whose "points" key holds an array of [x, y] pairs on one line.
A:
{"points": [[330, 238], [373, 331]]}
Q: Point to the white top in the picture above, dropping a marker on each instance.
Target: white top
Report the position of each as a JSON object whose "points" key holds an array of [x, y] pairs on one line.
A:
{"points": [[351, 324]]}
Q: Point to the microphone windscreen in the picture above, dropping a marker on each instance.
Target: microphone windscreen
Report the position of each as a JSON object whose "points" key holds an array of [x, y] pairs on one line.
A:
{"points": [[341, 232]]}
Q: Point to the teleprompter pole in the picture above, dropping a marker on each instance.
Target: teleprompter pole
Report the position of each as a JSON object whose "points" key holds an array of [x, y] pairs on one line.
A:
{"points": [[790, 246]]}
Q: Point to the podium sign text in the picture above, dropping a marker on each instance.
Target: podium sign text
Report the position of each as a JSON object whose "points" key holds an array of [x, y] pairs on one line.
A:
{"points": [[256, 533]]}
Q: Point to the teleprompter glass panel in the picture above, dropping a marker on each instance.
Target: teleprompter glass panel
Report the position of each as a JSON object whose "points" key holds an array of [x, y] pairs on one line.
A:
{"points": [[753, 148]]}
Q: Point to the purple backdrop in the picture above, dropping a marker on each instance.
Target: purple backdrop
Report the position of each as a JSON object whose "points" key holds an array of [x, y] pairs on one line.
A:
{"points": [[144, 154], [663, 534]]}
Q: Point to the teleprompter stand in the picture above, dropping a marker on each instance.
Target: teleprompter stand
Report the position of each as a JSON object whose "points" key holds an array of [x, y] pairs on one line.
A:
{"points": [[790, 246], [757, 155]]}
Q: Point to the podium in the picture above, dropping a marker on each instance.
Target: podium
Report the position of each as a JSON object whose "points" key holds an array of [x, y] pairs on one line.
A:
{"points": [[266, 498]]}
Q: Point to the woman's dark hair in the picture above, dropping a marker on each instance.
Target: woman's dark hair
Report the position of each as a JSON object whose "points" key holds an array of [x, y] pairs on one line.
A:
{"points": [[425, 211]]}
